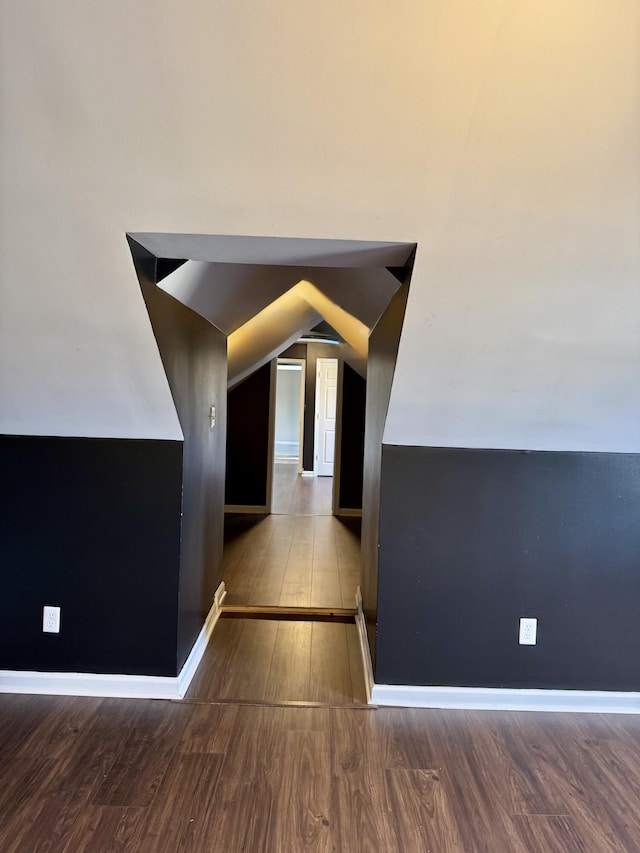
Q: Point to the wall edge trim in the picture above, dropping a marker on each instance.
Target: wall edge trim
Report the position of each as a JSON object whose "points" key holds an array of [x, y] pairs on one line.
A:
{"points": [[117, 686], [367, 667], [506, 699]]}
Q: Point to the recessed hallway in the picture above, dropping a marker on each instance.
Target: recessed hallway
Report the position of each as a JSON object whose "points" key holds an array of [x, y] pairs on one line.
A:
{"points": [[303, 560], [307, 559]]}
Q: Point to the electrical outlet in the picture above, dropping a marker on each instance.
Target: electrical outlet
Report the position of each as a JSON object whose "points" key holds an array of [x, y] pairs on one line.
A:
{"points": [[528, 632], [51, 619]]}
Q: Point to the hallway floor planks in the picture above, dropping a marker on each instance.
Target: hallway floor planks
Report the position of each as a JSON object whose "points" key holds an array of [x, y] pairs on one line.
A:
{"points": [[291, 560], [287, 561], [296, 495], [147, 776], [265, 660]]}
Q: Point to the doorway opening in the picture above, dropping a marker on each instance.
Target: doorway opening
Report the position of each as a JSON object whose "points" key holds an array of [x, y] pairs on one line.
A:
{"points": [[224, 308], [288, 434], [289, 425]]}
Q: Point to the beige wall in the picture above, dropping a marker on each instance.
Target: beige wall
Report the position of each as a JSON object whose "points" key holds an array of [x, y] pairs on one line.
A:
{"points": [[503, 137]]}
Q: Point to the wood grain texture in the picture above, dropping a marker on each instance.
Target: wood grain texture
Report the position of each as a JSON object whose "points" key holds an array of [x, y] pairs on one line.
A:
{"points": [[297, 495], [249, 778], [270, 660], [427, 820], [287, 560]]}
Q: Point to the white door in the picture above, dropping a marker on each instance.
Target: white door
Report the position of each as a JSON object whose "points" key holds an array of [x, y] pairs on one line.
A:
{"points": [[326, 399]]}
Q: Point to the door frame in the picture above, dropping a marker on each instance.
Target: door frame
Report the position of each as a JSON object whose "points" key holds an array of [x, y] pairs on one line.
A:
{"points": [[302, 362]]}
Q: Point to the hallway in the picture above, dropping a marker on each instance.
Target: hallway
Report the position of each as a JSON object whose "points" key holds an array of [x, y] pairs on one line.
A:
{"points": [[302, 560]]}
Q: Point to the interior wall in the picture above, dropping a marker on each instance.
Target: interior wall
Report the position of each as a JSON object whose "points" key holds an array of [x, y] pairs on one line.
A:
{"points": [[248, 434], [193, 353], [515, 169], [352, 429], [472, 540], [383, 349], [516, 172], [91, 526]]}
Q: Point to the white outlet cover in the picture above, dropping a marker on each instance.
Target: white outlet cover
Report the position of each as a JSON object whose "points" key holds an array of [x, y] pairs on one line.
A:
{"points": [[50, 619], [528, 632]]}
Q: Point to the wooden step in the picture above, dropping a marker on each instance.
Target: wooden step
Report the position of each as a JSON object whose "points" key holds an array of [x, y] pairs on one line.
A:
{"points": [[309, 614]]}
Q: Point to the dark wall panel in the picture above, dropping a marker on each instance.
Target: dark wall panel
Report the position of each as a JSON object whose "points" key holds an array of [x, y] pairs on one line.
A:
{"points": [[383, 350], [354, 390], [194, 354], [248, 440], [92, 526], [472, 540]]}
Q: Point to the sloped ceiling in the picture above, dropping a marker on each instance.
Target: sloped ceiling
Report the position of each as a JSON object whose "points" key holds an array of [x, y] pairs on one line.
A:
{"points": [[264, 293], [276, 251], [229, 294]]}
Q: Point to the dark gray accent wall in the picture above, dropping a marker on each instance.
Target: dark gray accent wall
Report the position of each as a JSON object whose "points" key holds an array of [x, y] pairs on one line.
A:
{"points": [[193, 353], [91, 525], [248, 440], [351, 462], [472, 540], [383, 350]]}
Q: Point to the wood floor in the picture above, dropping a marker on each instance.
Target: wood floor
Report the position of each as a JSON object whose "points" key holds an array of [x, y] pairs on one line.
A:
{"points": [[299, 560], [273, 749], [281, 661], [291, 560], [296, 495], [142, 775]]}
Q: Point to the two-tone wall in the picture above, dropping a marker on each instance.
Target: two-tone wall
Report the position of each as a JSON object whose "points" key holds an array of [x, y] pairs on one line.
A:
{"points": [[500, 137]]}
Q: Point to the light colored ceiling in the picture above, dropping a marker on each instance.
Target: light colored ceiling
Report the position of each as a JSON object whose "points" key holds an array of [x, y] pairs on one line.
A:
{"points": [[264, 293], [230, 294], [283, 321], [276, 251]]}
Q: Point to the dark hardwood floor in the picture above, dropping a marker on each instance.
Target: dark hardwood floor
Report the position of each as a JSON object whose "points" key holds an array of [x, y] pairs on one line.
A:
{"points": [[273, 749], [281, 661], [296, 560], [143, 775], [292, 560]]}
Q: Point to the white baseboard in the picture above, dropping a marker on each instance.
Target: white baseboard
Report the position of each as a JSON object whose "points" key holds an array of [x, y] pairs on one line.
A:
{"points": [[364, 647], [246, 510], [487, 698], [202, 641], [117, 686], [506, 699]]}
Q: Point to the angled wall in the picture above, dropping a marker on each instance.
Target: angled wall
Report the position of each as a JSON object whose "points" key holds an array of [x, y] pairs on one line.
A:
{"points": [[352, 432], [249, 431], [383, 349], [193, 353]]}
